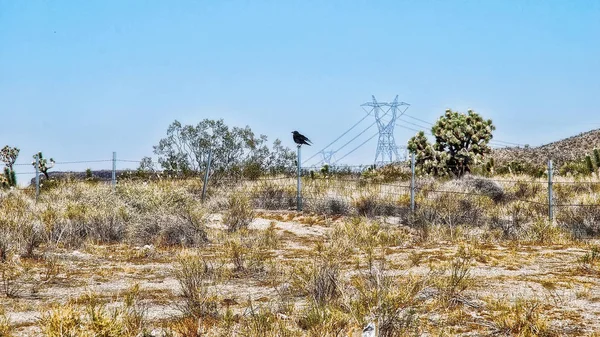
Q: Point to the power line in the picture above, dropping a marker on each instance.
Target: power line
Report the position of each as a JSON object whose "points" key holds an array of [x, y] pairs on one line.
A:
{"points": [[409, 128], [429, 123], [509, 143], [356, 148], [351, 140], [417, 119], [411, 123], [358, 135], [70, 162], [338, 138]]}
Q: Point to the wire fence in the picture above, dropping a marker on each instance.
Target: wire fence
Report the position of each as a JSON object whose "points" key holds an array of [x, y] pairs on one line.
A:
{"points": [[331, 185]]}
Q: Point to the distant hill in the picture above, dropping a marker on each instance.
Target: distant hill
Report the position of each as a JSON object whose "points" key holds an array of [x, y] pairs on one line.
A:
{"points": [[99, 175], [568, 149]]}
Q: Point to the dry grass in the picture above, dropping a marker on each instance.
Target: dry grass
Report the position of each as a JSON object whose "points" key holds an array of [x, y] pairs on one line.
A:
{"points": [[94, 318], [5, 328], [521, 317], [196, 277], [358, 257]]}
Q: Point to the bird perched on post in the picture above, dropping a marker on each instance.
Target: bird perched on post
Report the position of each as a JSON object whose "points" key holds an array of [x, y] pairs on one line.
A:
{"points": [[300, 139]]}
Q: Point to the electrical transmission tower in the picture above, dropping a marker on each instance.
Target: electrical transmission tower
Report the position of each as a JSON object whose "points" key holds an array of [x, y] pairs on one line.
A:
{"points": [[328, 157], [385, 116]]}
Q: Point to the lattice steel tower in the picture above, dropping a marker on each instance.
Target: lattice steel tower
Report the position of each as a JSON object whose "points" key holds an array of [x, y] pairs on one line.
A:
{"points": [[386, 115], [328, 157]]}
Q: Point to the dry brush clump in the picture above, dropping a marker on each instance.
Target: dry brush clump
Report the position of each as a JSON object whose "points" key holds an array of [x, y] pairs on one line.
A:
{"points": [[76, 212], [590, 262], [329, 205], [273, 196], [239, 213], [5, 327], [19, 227], [95, 318], [581, 217], [197, 278], [520, 317], [454, 279], [392, 302]]}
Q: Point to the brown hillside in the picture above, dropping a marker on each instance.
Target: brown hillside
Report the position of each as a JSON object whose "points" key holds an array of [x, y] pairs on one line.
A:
{"points": [[568, 149]]}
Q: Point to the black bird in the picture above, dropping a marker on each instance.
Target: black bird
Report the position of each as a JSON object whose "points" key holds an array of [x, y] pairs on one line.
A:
{"points": [[300, 139]]}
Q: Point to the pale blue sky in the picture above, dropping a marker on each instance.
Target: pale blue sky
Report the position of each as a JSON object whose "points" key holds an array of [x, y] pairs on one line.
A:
{"points": [[80, 79]]}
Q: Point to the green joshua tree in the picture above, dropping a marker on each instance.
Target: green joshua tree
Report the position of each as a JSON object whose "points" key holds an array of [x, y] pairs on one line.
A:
{"points": [[44, 164], [461, 142], [8, 155]]}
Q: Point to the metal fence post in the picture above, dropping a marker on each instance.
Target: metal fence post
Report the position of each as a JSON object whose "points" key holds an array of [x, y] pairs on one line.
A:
{"points": [[412, 182], [37, 176], [550, 211], [299, 192], [114, 171], [206, 174]]}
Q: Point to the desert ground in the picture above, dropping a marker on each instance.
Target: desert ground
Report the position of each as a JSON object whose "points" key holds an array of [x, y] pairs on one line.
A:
{"points": [[155, 261]]}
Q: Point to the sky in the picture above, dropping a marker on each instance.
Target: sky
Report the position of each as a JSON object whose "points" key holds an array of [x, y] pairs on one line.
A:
{"points": [[81, 79]]}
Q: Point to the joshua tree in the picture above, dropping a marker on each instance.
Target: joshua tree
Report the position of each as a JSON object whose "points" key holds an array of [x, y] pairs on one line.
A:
{"points": [[8, 155], [44, 164], [461, 141], [588, 164]]}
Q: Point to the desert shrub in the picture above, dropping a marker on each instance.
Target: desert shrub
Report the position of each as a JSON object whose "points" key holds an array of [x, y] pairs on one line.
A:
{"points": [[195, 276], [362, 235], [328, 205], [522, 167], [542, 231], [186, 326], [16, 224], [469, 184], [75, 212], [456, 278], [512, 217], [574, 168], [269, 239], [453, 210], [13, 277], [387, 173], [526, 189], [320, 320], [239, 213], [237, 254], [269, 195], [320, 280], [95, 318], [261, 321], [390, 302], [165, 196], [590, 262], [371, 203], [522, 317], [186, 228], [367, 204], [104, 227], [581, 221], [61, 321]]}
